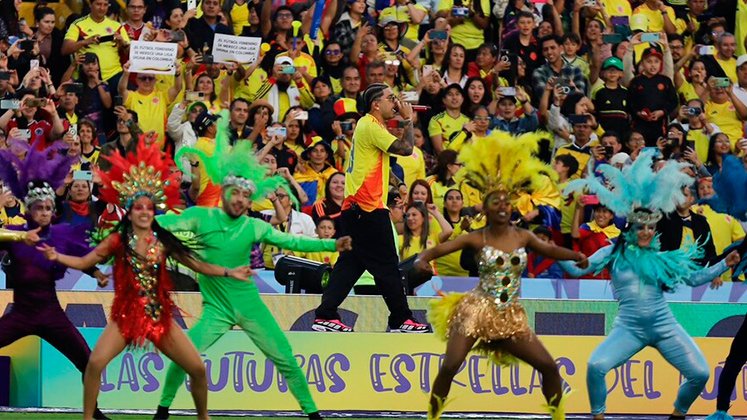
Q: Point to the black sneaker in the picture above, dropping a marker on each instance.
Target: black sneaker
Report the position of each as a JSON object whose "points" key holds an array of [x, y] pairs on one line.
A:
{"points": [[410, 326], [162, 413], [98, 415], [315, 415], [330, 325]]}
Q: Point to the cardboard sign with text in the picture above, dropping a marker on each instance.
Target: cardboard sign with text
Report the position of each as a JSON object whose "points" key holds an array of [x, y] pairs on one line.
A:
{"points": [[153, 57], [236, 49]]}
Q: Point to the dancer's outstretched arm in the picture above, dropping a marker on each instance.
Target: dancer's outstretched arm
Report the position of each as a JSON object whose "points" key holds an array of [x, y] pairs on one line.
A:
{"points": [[555, 252], [706, 274], [202, 267], [471, 240], [30, 237], [595, 263], [100, 253]]}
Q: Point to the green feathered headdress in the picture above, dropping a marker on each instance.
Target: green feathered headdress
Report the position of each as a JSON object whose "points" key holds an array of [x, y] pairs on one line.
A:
{"points": [[234, 166]]}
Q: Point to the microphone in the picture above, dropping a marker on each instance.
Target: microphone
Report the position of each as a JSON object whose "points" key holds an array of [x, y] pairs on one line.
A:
{"points": [[420, 108]]}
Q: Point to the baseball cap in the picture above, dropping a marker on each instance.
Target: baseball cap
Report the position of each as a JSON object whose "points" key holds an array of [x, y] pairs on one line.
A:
{"points": [[283, 60], [203, 121], [613, 62], [742, 59]]}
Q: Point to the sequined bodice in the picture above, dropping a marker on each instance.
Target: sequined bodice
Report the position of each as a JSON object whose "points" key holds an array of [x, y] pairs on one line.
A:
{"points": [[500, 273], [146, 274]]}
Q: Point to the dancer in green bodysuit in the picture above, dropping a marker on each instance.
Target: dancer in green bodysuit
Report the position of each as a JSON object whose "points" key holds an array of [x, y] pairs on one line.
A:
{"points": [[227, 235]]}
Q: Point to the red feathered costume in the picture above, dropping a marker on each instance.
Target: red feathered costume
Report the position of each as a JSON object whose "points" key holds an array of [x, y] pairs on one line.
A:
{"points": [[142, 305]]}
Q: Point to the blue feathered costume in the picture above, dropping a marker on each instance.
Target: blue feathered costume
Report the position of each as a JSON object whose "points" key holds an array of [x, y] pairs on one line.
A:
{"points": [[640, 276]]}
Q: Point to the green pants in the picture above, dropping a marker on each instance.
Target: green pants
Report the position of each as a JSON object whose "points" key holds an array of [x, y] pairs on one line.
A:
{"points": [[256, 320]]}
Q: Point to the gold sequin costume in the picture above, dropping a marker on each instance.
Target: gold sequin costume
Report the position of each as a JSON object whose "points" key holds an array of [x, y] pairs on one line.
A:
{"points": [[491, 311]]}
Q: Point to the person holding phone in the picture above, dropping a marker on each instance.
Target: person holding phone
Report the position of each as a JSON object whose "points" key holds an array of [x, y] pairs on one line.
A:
{"points": [[100, 35], [659, 16], [22, 122]]}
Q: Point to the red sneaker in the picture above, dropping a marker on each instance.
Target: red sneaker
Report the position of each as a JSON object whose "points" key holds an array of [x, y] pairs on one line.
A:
{"points": [[410, 326], [330, 325]]}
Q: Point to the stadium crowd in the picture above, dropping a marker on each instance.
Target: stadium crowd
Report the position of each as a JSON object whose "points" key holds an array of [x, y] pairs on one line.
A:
{"points": [[604, 78]]}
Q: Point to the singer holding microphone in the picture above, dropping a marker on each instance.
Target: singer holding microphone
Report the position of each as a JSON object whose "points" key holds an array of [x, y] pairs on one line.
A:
{"points": [[365, 216]]}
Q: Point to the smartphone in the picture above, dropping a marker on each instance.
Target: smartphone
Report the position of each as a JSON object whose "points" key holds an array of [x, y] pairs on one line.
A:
{"points": [[507, 91], [589, 200], [427, 69], [75, 88], [442, 35], [608, 151], [207, 59], [73, 130], [4, 75], [458, 11], [106, 38], [707, 50], [82, 175], [565, 90], [191, 4], [10, 103], [694, 111], [410, 96], [392, 123], [277, 131], [721, 82], [346, 126], [302, 115], [620, 20], [612, 38], [118, 101], [24, 133], [194, 96], [288, 70], [650, 37], [176, 36], [578, 119], [36, 102], [27, 44], [33, 64]]}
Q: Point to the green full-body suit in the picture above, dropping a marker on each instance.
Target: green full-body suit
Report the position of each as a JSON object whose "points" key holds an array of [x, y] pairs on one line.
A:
{"points": [[227, 302]]}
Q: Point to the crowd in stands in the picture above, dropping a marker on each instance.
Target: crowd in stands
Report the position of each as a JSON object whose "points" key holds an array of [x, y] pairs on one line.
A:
{"points": [[605, 79]]}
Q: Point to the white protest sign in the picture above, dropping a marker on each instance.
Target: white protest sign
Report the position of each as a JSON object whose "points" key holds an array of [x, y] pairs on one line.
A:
{"points": [[152, 57], [235, 49]]}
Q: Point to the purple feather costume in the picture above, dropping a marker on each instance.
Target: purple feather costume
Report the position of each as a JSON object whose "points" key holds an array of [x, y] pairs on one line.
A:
{"points": [[36, 310]]}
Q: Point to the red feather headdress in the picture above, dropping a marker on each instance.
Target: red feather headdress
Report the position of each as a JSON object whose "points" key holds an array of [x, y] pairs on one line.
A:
{"points": [[145, 173]]}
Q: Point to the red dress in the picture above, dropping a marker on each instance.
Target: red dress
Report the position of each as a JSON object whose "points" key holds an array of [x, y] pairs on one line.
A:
{"points": [[142, 305]]}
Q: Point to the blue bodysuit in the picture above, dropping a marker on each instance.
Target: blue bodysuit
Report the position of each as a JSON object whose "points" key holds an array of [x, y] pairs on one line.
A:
{"points": [[644, 319]]}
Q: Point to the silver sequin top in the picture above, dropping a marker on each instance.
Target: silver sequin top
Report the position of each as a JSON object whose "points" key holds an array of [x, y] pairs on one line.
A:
{"points": [[500, 273]]}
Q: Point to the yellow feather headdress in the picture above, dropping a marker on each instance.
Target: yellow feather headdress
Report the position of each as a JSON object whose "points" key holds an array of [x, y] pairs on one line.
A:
{"points": [[503, 162]]}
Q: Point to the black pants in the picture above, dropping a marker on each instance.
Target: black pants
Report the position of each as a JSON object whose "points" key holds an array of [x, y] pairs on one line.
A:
{"points": [[373, 250], [734, 362]]}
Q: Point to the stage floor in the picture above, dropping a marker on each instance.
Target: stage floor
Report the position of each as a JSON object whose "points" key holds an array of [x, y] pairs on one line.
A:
{"points": [[27, 414]]}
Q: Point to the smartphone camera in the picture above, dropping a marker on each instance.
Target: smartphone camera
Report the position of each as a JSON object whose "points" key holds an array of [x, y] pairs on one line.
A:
{"points": [[694, 111]]}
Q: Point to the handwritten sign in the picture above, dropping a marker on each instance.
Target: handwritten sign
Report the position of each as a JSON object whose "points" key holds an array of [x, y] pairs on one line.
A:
{"points": [[236, 49], [152, 57]]}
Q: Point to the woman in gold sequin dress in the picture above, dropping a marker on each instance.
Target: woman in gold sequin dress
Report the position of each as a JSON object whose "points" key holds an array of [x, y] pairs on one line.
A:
{"points": [[141, 309], [489, 319]]}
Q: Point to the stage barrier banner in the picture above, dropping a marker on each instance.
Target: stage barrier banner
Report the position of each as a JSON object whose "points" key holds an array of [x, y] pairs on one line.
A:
{"points": [[380, 372], [368, 313], [25, 375]]}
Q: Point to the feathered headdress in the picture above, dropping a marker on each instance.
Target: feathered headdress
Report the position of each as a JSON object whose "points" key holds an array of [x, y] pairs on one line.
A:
{"points": [[502, 162], [145, 173], [38, 175], [234, 166], [637, 191]]}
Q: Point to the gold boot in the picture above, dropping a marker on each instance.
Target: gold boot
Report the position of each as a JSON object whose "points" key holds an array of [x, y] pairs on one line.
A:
{"points": [[557, 413], [434, 413]]}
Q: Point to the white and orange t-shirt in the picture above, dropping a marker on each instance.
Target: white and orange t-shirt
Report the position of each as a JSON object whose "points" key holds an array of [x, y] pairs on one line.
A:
{"points": [[367, 173]]}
